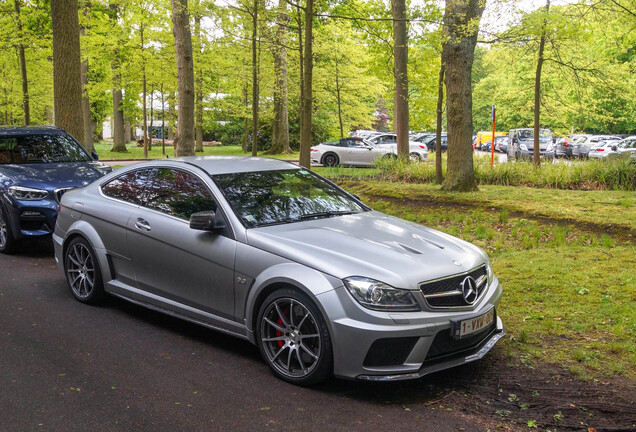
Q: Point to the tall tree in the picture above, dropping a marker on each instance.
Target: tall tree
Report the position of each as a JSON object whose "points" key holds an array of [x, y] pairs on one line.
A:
{"points": [[280, 128], [255, 93], [461, 25], [439, 177], [307, 100], [184, 138], [198, 84], [537, 89], [67, 82], [119, 139], [400, 60], [87, 137], [23, 69]]}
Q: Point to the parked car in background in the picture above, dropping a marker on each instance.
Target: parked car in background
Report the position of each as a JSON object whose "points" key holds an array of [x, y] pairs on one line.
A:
{"points": [[351, 151], [501, 144], [581, 149], [417, 151], [38, 164], [624, 149], [602, 149], [483, 137], [564, 146], [521, 144], [272, 253], [430, 141]]}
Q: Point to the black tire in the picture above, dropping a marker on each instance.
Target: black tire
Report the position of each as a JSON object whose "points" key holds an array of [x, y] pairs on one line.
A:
{"points": [[83, 274], [330, 160], [391, 156], [415, 157], [7, 242], [293, 338]]}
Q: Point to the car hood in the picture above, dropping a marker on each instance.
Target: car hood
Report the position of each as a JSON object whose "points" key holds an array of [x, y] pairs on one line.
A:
{"points": [[370, 244], [53, 175]]}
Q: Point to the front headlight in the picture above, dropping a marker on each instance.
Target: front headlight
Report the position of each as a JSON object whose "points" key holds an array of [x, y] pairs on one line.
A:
{"points": [[377, 295], [27, 194], [549, 147], [489, 273], [523, 147]]}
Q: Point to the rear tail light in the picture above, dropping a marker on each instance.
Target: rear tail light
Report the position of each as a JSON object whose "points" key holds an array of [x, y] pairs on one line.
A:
{"points": [[314, 149], [421, 146], [566, 144], [59, 207], [600, 149]]}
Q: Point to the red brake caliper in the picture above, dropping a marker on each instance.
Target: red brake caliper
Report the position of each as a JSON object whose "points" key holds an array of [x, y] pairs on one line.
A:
{"points": [[278, 332]]}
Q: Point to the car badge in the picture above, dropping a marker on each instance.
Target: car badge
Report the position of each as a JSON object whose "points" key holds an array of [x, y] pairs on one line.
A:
{"points": [[469, 290]]}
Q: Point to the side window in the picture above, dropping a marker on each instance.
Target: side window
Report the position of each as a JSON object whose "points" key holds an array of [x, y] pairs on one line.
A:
{"points": [[128, 187], [179, 194]]}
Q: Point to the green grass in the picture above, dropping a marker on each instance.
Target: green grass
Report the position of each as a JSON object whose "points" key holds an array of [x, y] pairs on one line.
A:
{"points": [[569, 287], [134, 152], [617, 174]]}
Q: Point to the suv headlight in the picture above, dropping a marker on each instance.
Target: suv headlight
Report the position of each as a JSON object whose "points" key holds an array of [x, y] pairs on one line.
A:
{"points": [[27, 194], [549, 147], [377, 295], [489, 273], [523, 147]]}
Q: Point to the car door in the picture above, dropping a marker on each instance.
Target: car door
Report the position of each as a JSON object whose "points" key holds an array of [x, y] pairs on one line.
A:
{"points": [[187, 268], [359, 154]]}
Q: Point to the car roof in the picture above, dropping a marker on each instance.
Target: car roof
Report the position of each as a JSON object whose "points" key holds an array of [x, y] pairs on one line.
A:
{"points": [[233, 164], [29, 130]]}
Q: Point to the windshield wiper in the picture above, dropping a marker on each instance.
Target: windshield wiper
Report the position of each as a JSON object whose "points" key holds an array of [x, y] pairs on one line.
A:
{"points": [[326, 214]]}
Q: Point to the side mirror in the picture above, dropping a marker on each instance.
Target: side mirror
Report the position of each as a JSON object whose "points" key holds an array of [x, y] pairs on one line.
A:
{"points": [[206, 221], [614, 148], [95, 155]]}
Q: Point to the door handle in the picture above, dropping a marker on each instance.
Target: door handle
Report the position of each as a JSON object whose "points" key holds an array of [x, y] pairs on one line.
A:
{"points": [[142, 224]]}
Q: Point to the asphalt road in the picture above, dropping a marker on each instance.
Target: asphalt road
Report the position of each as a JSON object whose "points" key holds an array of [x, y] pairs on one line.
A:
{"points": [[65, 366]]}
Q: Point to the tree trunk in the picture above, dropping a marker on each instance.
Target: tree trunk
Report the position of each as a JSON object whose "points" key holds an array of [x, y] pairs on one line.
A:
{"points": [[67, 81], [439, 177], [198, 85], [339, 101], [87, 138], [184, 139], [152, 118], [301, 72], [246, 123], [400, 58], [119, 143], [171, 117], [255, 79], [128, 132], [461, 25], [26, 106], [280, 129], [537, 92], [305, 128]]}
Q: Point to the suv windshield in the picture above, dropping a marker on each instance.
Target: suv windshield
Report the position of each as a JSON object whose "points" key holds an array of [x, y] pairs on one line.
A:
{"points": [[275, 197], [29, 149]]}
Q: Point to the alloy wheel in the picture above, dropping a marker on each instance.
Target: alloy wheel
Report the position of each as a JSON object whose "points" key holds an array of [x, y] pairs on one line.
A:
{"points": [[290, 337], [80, 270]]}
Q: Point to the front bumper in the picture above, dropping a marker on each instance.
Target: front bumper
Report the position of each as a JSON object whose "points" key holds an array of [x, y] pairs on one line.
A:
{"points": [[529, 154], [31, 218], [377, 346]]}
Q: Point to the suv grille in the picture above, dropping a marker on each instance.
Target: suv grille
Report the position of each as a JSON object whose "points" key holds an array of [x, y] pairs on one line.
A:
{"points": [[60, 192], [447, 292]]}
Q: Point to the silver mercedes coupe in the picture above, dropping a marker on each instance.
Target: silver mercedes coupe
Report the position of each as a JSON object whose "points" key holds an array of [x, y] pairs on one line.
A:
{"points": [[272, 253]]}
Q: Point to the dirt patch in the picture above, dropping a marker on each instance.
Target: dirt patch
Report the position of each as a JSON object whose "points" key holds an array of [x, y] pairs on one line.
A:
{"points": [[512, 396]]}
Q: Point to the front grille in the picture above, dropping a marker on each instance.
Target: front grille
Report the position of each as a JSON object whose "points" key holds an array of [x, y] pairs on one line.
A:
{"points": [[444, 344], [389, 351], [60, 192], [447, 292]]}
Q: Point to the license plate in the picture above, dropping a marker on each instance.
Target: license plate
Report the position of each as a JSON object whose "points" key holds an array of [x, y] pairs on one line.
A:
{"points": [[468, 326]]}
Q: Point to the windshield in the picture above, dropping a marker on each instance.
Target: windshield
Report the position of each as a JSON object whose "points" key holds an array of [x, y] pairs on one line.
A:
{"points": [[274, 197], [528, 135], [31, 149]]}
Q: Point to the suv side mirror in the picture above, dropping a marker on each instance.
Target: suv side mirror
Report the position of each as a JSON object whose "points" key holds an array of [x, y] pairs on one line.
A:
{"points": [[95, 155], [614, 148]]}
